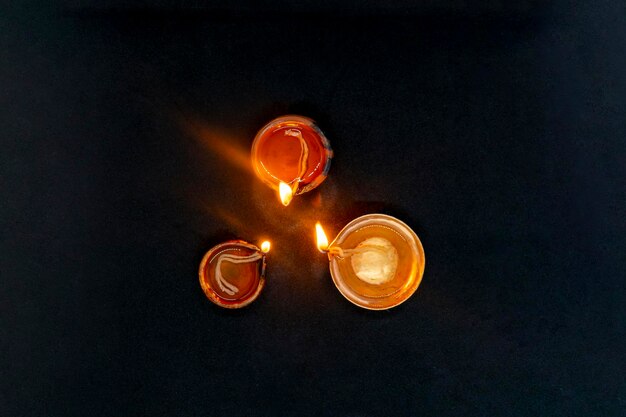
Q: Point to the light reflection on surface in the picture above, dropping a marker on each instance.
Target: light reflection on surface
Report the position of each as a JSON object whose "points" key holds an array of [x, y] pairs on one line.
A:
{"points": [[228, 196], [220, 142]]}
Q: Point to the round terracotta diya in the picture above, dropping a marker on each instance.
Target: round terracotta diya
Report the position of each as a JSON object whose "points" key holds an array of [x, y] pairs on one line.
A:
{"points": [[376, 261], [291, 155], [232, 274]]}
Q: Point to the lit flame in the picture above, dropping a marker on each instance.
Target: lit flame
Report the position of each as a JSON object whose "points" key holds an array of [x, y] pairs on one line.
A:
{"points": [[285, 192], [322, 240], [265, 246]]}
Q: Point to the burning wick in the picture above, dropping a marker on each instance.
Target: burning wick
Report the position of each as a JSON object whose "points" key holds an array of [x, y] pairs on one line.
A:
{"points": [[287, 190], [374, 260], [226, 286], [322, 240]]}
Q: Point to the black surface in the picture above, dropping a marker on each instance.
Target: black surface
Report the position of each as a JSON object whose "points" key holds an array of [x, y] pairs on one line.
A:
{"points": [[496, 131]]}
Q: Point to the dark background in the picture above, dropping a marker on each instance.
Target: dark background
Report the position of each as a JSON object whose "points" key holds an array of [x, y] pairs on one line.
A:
{"points": [[496, 130]]}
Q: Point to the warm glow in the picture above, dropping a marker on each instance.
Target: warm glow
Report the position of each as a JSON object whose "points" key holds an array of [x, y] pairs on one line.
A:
{"points": [[218, 141], [322, 240], [265, 246], [286, 193]]}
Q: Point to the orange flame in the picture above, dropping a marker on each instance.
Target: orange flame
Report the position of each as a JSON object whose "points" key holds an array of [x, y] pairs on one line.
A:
{"points": [[322, 240], [285, 192], [265, 246]]}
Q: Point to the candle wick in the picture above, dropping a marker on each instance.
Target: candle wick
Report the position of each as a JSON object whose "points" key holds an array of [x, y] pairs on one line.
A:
{"points": [[345, 253], [304, 154], [224, 285]]}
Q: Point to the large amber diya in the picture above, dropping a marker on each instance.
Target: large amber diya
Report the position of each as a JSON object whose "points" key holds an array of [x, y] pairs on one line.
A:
{"points": [[291, 155], [376, 261], [232, 274]]}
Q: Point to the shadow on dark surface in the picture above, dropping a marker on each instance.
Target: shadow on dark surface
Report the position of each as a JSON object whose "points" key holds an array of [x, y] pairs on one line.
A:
{"points": [[255, 9]]}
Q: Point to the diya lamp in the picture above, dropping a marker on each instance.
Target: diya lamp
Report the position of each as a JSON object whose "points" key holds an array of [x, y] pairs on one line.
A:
{"points": [[376, 261], [232, 274], [291, 155]]}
